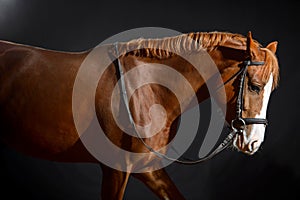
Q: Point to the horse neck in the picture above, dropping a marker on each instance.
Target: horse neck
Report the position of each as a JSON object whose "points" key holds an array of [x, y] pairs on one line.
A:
{"points": [[210, 62], [227, 60], [223, 65]]}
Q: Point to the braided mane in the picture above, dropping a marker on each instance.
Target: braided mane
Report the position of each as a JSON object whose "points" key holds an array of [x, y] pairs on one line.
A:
{"points": [[168, 46], [163, 48]]}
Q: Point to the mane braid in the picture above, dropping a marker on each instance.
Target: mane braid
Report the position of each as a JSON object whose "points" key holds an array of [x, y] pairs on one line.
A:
{"points": [[186, 43]]}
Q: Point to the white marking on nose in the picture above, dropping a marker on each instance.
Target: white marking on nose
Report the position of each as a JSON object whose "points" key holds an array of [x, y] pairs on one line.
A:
{"points": [[258, 130]]}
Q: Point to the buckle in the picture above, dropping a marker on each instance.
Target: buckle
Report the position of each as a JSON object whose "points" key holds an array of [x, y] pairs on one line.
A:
{"points": [[238, 124]]}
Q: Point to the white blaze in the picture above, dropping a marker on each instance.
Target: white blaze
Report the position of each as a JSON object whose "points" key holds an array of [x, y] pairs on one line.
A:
{"points": [[258, 130]]}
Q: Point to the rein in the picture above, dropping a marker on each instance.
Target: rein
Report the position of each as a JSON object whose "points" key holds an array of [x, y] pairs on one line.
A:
{"points": [[238, 124]]}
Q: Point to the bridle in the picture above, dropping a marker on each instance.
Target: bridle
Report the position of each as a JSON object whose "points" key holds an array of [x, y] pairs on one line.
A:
{"points": [[238, 124]]}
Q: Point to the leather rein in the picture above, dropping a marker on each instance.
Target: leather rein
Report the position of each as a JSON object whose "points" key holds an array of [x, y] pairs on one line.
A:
{"points": [[238, 125]]}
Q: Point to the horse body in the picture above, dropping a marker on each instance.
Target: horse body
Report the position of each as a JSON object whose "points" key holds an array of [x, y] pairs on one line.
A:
{"points": [[36, 102]]}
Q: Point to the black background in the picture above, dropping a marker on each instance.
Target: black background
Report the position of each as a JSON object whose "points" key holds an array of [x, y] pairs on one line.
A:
{"points": [[80, 25]]}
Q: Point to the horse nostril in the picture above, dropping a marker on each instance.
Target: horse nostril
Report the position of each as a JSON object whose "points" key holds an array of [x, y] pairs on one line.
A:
{"points": [[253, 145]]}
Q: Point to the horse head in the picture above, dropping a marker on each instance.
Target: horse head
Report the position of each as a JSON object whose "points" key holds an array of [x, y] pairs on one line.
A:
{"points": [[260, 79]]}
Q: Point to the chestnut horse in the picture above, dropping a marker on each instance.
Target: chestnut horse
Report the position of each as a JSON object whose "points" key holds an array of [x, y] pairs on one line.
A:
{"points": [[37, 88]]}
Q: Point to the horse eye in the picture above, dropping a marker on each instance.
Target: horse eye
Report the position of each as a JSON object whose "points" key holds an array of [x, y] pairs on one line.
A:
{"points": [[255, 88]]}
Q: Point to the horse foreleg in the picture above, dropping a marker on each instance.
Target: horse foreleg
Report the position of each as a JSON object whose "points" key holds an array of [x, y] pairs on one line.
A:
{"points": [[160, 183], [113, 183]]}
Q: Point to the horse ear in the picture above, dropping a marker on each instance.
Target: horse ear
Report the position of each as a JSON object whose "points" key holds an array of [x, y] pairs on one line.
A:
{"points": [[272, 46], [252, 49]]}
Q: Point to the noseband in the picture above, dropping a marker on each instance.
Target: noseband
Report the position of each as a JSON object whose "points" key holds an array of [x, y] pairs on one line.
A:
{"points": [[238, 124]]}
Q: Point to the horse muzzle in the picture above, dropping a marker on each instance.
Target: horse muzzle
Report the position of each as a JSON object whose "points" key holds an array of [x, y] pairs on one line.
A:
{"points": [[247, 144]]}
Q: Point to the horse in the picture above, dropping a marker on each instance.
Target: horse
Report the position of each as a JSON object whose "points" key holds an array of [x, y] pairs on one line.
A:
{"points": [[37, 112]]}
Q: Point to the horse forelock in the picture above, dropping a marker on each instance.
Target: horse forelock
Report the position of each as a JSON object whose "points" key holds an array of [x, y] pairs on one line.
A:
{"points": [[271, 67], [185, 43]]}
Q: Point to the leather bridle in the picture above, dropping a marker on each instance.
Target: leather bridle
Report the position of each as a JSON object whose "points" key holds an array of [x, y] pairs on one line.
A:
{"points": [[238, 124]]}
